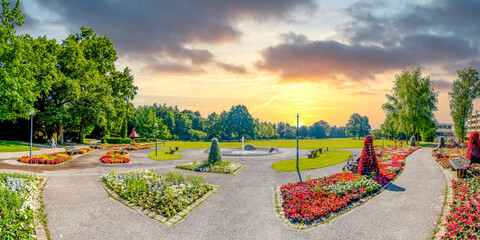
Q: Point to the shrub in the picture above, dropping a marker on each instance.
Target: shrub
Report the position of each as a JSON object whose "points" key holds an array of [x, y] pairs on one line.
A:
{"points": [[117, 140], [214, 156], [441, 142], [412, 141]]}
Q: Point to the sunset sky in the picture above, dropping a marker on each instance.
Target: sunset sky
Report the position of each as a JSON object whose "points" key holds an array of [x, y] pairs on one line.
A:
{"points": [[323, 59]]}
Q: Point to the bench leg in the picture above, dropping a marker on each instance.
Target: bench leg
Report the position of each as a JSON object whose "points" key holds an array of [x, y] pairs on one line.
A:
{"points": [[461, 173]]}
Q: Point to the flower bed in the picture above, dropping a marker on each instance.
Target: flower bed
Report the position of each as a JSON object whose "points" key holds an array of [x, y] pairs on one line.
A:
{"points": [[204, 166], [85, 150], [165, 196], [449, 154], [462, 222], [314, 200], [48, 158], [115, 156], [16, 206]]}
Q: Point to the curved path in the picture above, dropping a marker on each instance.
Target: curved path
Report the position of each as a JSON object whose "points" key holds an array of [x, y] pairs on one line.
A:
{"points": [[77, 206]]}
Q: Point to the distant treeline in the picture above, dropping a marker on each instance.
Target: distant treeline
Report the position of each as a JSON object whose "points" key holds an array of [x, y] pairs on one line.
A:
{"points": [[230, 125]]}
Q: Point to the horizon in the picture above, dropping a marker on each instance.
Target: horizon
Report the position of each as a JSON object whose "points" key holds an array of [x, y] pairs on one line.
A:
{"points": [[325, 60]]}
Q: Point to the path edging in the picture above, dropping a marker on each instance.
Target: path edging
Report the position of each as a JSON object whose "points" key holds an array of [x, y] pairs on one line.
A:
{"points": [[439, 229]]}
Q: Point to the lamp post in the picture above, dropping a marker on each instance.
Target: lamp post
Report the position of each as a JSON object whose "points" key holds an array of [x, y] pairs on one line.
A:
{"points": [[31, 130], [298, 169], [156, 125]]}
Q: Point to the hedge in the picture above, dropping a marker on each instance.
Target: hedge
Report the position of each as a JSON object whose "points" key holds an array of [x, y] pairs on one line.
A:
{"points": [[117, 140]]}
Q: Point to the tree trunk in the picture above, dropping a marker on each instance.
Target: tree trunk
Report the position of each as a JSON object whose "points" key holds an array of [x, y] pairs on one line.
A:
{"points": [[82, 131], [60, 130]]}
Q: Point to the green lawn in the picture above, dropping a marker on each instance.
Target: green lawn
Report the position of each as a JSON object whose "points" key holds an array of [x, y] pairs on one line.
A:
{"points": [[12, 146], [325, 159], [331, 143], [164, 155], [88, 140]]}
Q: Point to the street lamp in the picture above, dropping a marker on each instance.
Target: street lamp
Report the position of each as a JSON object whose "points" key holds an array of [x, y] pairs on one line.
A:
{"points": [[31, 130], [156, 125], [298, 170]]}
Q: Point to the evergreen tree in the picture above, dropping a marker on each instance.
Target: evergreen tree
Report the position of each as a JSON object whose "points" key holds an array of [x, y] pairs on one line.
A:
{"points": [[214, 155]]}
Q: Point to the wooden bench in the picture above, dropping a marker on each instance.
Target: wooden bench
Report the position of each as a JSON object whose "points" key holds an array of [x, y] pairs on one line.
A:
{"points": [[72, 150], [379, 153], [172, 150], [438, 153], [352, 164], [460, 165], [314, 153], [94, 145]]}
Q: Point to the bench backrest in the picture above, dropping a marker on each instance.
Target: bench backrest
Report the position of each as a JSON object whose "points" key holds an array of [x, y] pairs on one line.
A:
{"points": [[464, 161]]}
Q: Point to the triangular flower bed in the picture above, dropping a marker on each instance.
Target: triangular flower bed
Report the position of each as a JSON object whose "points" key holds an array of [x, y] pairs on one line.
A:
{"points": [[309, 203], [166, 199]]}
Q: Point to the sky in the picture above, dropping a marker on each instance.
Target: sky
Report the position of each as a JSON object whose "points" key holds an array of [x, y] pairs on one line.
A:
{"points": [[324, 60]]}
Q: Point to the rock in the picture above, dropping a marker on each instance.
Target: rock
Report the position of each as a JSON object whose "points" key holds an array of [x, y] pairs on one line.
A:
{"points": [[250, 147]]}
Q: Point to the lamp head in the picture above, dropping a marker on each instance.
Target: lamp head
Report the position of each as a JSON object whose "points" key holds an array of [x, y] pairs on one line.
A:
{"points": [[32, 112], [156, 124]]}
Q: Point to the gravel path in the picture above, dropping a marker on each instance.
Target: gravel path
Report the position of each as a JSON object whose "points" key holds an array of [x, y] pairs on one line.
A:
{"points": [[77, 206]]}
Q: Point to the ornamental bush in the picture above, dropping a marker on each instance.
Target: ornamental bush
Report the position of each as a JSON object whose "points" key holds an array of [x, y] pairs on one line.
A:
{"points": [[412, 141], [473, 151], [214, 156], [441, 142], [368, 161]]}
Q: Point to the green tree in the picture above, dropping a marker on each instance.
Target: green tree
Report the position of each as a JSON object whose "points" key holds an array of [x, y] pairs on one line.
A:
{"points": [[412, 103], [240, 123], [357, 126], [464, 90], [144, 122], [196, 135], [19, 88], [319, 129]]}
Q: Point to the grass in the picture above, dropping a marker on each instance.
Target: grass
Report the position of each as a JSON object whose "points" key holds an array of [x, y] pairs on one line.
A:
{"points": [[325, 159], [88, 140], [13, 146], [331, 143], [164, 155]]}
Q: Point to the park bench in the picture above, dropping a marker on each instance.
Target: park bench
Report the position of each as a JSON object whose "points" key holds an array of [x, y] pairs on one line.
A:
{"points": [[94, 145], [438, 153], [460, 165], [72, 150], [379, 153], [314, 153], [352, 164], [172, 150]]}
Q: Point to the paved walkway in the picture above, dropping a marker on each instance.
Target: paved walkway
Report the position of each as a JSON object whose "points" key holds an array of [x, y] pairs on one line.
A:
{"points": [[78, 208]]}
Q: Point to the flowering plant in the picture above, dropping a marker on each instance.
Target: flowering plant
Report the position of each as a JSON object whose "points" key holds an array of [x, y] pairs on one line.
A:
{"points": [[161, 195], [115, 156], [47, 158], [315, 199]]}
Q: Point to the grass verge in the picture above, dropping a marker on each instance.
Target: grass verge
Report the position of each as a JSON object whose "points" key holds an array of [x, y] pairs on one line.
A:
{"points": [[13, 146], [325, 159], [164, 155]]}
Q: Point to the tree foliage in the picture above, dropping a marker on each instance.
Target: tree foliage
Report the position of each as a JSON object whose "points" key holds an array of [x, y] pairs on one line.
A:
{"points": [[357, 126], [412, 102], [464, 90]]}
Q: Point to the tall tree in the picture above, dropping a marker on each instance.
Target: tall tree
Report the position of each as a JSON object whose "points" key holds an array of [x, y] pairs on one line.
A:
{"points": [[19, 89], [240, 123], [464, 90], [319, 130], [412, 103], [357, 126]]}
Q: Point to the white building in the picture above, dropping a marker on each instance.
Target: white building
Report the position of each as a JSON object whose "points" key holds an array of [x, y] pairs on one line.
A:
{"points": [[473, 123], [446, 130]]}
